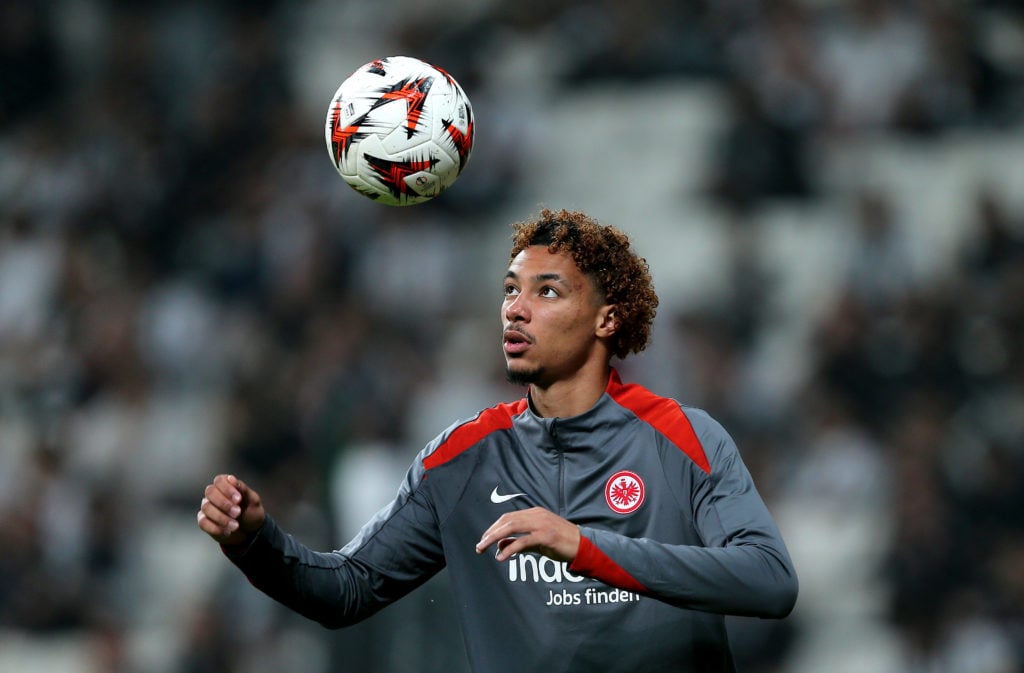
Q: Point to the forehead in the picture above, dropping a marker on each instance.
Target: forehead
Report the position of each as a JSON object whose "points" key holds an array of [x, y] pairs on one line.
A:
{"points": [[537, 261]]}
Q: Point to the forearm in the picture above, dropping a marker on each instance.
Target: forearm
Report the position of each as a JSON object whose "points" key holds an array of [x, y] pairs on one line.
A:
{"points": [[751, 578], [322, 586]]}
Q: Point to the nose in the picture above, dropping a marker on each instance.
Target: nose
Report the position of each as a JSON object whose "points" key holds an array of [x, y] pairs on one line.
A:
{"points": [[516, 309]]}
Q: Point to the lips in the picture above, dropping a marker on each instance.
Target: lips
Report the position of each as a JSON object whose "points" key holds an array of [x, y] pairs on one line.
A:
{"points": [[515, 342]]}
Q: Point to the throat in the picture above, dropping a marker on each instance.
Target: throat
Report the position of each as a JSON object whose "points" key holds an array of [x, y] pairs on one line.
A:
{"points": [[564, 399]]}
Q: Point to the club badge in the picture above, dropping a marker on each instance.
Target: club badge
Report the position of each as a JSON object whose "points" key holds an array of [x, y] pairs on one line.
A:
{"points": [[624, 492]]}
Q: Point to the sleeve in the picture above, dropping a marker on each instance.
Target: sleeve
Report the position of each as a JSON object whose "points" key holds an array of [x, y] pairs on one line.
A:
{"points": [[743, 566], [395, 552]]}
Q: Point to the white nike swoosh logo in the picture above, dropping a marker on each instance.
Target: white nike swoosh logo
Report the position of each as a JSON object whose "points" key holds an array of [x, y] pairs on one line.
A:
{"points": [[497, 498]]}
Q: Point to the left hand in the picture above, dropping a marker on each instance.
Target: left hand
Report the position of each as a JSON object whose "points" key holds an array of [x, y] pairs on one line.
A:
{"points": [[535, 529]]}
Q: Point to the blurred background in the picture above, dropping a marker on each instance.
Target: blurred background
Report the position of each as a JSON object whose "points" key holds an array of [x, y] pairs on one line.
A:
{"points": [[830, 194]]}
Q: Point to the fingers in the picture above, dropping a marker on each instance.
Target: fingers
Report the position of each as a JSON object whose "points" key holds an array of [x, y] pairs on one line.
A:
{"points": [[534, 529], [498, 531], [221, 506], [503, 544], [215, 522], [230, 487], [208, 525], [519, 524], [225, 518], [508, 547]]}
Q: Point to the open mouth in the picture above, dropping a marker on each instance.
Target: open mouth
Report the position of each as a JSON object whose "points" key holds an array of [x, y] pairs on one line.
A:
{"points": [[515, 342]]}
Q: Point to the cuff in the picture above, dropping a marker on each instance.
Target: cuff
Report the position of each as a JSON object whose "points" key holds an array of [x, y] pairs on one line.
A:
{"points": [[237, 552], [592, 562]]}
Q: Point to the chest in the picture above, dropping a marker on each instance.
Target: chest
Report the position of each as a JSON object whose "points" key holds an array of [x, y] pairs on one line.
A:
{"points": [[624, 485]]}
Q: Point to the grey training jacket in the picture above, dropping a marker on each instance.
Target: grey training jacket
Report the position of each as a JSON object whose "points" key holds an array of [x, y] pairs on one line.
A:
{"points": [[674, 532]]}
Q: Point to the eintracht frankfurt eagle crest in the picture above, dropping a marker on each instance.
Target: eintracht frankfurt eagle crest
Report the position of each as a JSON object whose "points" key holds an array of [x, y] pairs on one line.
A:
{"points": [[624, 492], [400, 130]]}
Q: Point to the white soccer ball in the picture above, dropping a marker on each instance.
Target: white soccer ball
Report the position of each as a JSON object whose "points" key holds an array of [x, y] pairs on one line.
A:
{"points": [[399, 130]]}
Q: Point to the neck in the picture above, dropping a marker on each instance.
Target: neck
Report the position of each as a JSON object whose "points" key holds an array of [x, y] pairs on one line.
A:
{"points": [[570, 397]]}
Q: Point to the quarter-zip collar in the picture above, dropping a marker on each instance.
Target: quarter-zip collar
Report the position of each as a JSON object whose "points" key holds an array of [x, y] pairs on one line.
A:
{"points": [[582, 432]]}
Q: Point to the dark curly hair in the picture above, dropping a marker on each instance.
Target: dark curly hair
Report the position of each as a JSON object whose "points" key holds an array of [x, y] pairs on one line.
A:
{"points": [[603, 253]]}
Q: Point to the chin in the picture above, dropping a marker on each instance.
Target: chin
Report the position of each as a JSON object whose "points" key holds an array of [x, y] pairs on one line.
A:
{"points": [[522, 376]]}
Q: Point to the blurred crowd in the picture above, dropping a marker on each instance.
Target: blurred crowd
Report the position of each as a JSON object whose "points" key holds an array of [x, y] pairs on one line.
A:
{"points": [[187, 287]]}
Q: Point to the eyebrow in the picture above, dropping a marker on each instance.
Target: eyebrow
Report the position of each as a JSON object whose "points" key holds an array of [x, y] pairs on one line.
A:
{"points": [[540, 277]]}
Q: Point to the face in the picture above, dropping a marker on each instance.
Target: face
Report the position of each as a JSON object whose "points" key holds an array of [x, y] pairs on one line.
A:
{"points": [[554, 318]]}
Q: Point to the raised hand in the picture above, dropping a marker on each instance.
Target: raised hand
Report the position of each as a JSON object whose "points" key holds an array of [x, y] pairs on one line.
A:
{"points": [[230, 511]]}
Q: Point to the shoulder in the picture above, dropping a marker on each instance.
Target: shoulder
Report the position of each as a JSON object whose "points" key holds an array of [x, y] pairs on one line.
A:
{"points": [[465, 434], [693, 431]]}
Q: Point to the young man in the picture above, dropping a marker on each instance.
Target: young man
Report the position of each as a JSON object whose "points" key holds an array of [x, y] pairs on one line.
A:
{"points": [[590, 526]]}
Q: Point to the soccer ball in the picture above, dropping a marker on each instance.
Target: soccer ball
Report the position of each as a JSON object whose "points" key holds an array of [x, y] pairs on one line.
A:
{"points": [[399, 130]]}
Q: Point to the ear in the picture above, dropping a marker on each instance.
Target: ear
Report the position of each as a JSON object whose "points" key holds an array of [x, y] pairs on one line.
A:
{"points": [[607, 321]]}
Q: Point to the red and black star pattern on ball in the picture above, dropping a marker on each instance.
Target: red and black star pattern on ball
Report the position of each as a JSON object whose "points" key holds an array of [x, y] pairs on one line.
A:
{"points": [[463, 142], [414, 93], [392, 174], [343, 137]]}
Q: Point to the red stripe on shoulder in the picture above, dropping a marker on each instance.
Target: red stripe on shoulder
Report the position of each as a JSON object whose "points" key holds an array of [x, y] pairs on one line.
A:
{"points": [[661, 413], [469, 433]]}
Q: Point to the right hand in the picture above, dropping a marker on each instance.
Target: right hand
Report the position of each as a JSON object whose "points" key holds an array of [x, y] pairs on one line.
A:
{"points": [[231, 511]]}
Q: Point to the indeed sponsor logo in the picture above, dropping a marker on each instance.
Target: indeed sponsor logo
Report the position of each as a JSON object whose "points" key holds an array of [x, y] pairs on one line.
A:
{"points": [[535, 568]]}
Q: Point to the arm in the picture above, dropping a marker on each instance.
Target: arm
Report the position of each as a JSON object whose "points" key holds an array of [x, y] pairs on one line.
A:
{"points": [[743, 567], [395, 552]]}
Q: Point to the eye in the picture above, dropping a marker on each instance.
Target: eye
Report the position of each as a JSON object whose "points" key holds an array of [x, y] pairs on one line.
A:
{"points": [[548, 292], [511, 290]]}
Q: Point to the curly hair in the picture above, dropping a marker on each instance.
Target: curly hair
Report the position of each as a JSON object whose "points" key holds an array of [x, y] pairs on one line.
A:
{"points": [[602, 253]]}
